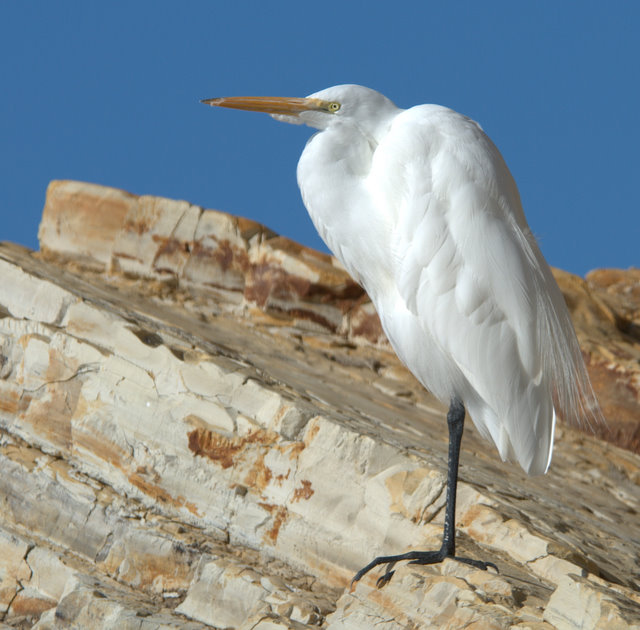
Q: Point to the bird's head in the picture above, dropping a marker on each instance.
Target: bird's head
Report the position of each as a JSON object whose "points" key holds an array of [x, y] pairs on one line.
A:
{"points": [[317, 110]]}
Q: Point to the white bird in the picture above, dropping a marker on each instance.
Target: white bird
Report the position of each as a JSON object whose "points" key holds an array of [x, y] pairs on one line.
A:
{"points": [[421, 209]]}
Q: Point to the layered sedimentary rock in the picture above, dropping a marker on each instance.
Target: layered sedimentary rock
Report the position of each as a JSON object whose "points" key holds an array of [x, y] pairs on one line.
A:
{"points": [[203, 426]]}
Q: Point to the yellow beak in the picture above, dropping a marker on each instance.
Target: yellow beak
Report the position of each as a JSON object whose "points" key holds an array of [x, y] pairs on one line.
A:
{"points": [[283, 105]]}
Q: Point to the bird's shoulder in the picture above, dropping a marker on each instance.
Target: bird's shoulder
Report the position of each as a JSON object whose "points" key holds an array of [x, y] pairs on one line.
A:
{"points": [[436, 119], [433, 150]]}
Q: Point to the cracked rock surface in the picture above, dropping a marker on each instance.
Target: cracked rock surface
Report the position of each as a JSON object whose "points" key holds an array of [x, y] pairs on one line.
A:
{"points": [[201, 426]]}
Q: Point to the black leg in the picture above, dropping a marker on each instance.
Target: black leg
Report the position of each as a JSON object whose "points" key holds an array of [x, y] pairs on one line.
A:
{"points": [[455, 421]]}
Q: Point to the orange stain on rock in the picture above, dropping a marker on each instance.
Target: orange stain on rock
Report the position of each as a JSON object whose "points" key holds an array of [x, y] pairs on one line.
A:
{"points": [[155, 491], [260, 475], [222, 449], [312, 432], [100, 447], [214, 446], [305, 492], [279, 515], [25, 605], [14, 403], [295, 448]]}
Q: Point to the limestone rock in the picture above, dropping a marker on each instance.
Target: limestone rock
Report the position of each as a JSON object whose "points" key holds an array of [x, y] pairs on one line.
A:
{"points": [[248, 266], [202, 426], [605, 309]]}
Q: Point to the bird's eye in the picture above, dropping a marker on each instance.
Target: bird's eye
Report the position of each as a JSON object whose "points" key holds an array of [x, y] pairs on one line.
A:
{"points": [[334, 107]]}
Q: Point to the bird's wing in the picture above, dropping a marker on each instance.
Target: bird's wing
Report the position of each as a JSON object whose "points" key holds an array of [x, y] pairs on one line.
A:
{"points": [[467, 268]]}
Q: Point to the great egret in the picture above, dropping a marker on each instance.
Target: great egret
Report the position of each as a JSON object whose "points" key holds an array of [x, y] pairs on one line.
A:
{"points": [[421, 209]]}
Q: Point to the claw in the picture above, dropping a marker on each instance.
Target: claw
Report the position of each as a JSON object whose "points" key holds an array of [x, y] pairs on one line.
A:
{"points": [[415, 557], [383, 580], [478, 564]]}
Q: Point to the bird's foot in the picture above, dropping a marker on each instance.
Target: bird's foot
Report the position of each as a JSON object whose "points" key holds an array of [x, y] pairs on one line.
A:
{"points": [[415, 557]]}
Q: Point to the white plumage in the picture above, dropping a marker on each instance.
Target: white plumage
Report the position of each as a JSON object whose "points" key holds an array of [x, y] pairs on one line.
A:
{"points": [[422, 210]]}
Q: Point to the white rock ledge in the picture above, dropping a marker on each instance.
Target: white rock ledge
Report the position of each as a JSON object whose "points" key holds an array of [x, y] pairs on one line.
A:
{"points": [[172, 460]]}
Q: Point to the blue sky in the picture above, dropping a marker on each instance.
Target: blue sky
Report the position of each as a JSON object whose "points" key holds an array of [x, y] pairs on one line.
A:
{"points": [[109, 93]]}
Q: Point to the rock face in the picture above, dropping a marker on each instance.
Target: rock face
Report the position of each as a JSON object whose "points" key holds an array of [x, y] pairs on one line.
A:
{"points": [[201, 425]]}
